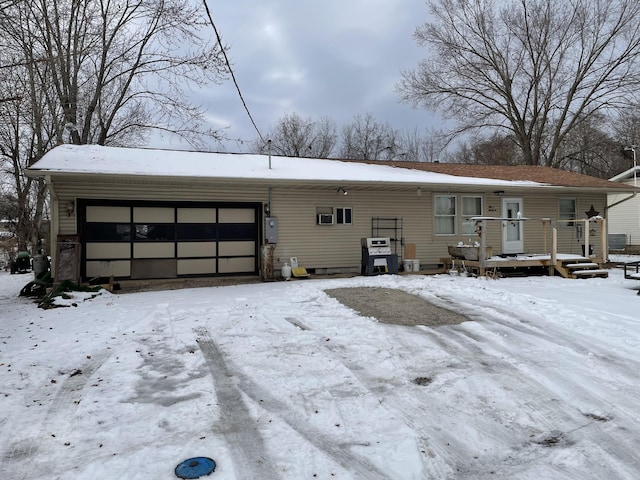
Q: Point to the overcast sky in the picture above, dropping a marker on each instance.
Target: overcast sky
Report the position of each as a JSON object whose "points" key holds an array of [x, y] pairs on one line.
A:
{"points": [[334, 58]]}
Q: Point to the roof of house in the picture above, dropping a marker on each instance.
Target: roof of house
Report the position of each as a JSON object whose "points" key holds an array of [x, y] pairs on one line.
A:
{"points": [[531, 173], [633, 172], [144, 162]]}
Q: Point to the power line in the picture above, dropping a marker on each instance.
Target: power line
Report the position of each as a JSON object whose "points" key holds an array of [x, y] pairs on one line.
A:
{"points": [[233, 76]]}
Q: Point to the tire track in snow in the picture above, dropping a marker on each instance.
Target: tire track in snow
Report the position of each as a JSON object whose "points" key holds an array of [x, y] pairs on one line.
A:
{"points": [[57, 422], [250, 456], [231, 399], [546, 407], [546, 414]]}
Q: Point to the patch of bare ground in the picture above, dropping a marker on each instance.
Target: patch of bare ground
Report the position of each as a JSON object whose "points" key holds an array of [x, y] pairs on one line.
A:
{"points": [[396, 307]]}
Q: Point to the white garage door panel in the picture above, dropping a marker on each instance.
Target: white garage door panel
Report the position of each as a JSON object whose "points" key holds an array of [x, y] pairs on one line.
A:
{"points": [[237, 248], [106, 268], [195, 267], [153, 215], [153, 250], [196, 215], [108, 214], [108, 250], [236, 215], [236, 265], [196, 249]]}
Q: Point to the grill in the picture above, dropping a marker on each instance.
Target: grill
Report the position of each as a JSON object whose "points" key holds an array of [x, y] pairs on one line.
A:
{"points": [[377, 257]]}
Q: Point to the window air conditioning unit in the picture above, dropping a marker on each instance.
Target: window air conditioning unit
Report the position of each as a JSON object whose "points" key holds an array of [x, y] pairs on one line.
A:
{"points": [[325, 219]]}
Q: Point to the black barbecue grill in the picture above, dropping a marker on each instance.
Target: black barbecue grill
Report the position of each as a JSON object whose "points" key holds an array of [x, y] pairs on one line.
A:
{"points": [[377, 257]]}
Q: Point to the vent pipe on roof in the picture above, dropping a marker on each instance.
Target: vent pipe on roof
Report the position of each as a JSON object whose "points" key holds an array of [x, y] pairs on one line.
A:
{"points": [[269, 150]]}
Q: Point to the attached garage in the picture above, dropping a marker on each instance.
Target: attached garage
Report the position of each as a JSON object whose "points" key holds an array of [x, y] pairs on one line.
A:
{"points": [[167, 240]]}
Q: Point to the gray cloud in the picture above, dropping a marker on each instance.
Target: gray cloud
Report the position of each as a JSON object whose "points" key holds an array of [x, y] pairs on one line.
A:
{"points": [[335, 58]]}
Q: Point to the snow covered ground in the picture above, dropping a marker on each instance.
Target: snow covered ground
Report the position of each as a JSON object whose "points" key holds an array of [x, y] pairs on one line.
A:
{"points": [[280, 381]]}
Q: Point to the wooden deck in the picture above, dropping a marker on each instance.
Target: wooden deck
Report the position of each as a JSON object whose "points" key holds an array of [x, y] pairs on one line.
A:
{"points": [[632, 270], [566, 265]]}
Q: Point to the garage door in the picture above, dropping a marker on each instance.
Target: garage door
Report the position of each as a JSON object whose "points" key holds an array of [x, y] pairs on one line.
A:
{"points": [[167, 241]]}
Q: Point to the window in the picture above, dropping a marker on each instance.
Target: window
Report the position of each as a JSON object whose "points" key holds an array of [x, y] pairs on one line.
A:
{"points": [[445, 213], [343, 216], [108, 232], [471, 207], [567, 211], [155, 231]]}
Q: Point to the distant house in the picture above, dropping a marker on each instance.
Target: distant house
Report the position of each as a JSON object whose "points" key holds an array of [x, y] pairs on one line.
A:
{"points": [[144, 213], [624, 215]]}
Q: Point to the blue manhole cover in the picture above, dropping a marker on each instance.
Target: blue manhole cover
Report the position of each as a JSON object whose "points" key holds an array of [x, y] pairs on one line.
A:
{"points": [[195, 467]]}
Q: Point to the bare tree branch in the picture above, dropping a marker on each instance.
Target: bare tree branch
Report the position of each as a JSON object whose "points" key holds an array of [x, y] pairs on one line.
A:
{"points": [[533, 69]]}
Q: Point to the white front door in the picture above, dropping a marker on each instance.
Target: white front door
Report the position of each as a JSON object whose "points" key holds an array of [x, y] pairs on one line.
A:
{"points": [[512, 231]]}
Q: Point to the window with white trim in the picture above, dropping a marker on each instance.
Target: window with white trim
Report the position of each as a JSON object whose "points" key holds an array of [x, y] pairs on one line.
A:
{"points": [[567, 210], [471, 207], [344, 216], [445, 214]]}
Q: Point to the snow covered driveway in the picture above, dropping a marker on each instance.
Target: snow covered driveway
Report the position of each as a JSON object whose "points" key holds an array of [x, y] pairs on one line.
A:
{"points": [[282, 381]]}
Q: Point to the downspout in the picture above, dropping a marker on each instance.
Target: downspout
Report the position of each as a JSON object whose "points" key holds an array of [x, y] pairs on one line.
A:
{"points": [[634, 195]]}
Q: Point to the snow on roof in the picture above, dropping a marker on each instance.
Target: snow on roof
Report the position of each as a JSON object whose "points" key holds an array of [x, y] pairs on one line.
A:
{"points": [[627, 174], [96, 159]]}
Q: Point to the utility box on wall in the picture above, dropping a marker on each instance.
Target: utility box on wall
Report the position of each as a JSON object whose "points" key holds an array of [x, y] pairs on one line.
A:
{"points": [[271, 229]]}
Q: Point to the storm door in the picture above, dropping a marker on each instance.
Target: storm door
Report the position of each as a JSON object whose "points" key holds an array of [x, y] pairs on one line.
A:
{"points": [[512, 230]]}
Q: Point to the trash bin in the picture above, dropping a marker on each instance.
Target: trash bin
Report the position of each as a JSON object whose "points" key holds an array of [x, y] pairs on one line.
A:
{"points": [[40, 265]]}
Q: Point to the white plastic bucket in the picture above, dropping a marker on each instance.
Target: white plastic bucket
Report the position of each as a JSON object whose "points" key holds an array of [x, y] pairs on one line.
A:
{"points": [[407, 265], [416, 265]]}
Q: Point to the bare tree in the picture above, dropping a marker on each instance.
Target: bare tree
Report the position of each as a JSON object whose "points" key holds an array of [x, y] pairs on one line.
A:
{"points": [[591, 150], [367, 139], [293, 136], [103, 72], [495, 150], [426, 147], [532, 69]]}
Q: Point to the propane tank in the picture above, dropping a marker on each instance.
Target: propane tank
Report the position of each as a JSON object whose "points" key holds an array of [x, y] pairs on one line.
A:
{"points": [[286, 271]]}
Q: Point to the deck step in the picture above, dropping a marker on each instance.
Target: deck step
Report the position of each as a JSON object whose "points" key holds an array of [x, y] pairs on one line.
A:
{"points": [[582, 265], [591, 273]]}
